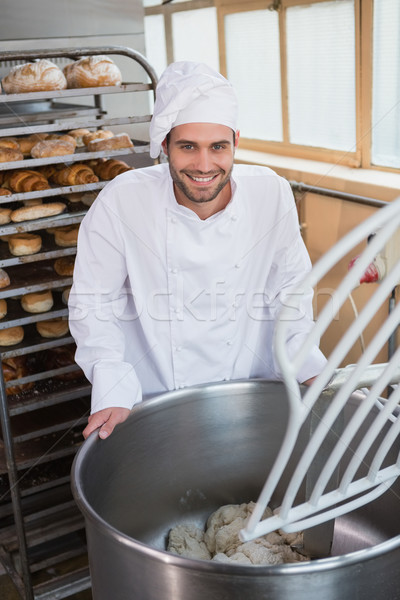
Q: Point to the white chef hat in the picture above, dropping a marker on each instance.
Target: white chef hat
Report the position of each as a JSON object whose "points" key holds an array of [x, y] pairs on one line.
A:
{"points": [[190, 92]]}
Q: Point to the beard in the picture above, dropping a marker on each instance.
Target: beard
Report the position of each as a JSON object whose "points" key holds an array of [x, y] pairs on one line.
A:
{"points": [[200, 196]]}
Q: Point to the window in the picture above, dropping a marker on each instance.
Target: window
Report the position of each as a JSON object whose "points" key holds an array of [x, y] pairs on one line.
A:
{"points": [[316, 79]]}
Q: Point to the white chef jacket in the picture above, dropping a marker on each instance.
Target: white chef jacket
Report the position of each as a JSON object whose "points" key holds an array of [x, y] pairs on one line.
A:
{"points": [[163, 300]]}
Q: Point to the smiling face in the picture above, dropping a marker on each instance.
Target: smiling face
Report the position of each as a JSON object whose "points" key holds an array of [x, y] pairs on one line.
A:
{"points": [[200, 161]]}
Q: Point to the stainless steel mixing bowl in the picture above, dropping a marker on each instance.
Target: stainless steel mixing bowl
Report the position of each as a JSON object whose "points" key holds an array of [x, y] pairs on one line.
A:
{"points": [[178, 458]]}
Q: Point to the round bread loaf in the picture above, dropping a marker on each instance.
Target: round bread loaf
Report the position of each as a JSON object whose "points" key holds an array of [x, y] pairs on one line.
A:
{"points": [[64, 266], [78, 134], [10, 154], [46, 148], [22, 244], [4, 279], [5, 214], [40, 76], [11, 336], [92, 71], [122, 140], [3, 308], [53, 328], [100, 134], [37, 302], [66, 236], [28, 213], [65, 295], [65, 138], [9, 143], [26, 143]]}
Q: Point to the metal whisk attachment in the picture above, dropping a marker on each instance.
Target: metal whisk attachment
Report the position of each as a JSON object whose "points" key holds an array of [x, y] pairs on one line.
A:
{"points": [[353, 490]]}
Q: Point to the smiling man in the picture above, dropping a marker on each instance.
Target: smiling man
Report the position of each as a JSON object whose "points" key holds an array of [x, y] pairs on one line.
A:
{"points": [[183, 267]]}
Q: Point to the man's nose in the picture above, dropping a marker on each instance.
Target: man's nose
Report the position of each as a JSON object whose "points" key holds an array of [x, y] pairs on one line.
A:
{"points": [[204, 161]]}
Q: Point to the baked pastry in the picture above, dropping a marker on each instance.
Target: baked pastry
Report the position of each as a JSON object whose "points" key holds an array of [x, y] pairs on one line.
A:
{"points": [[53, 328], [37, 302], [66, 236], [4, 279], [92, 71], [28, 181], [5, 215], [108, 169], [10, 154], [15, 368], [48, 170], [28, 213], [11, 336], [9, 143], [3, 308], [76, 174], [122, 140], [22, 244], [78, 134], [40, 76], [46, 148], [4, 192], [64, 266], [100, 134]]}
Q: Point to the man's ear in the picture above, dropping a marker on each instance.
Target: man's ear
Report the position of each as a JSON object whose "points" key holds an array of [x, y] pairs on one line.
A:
{"points": [[237, 136], [164, 146]]}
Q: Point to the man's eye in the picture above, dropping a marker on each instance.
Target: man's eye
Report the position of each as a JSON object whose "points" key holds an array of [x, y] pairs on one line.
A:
{"points": [[187, 147], [219, 147]]}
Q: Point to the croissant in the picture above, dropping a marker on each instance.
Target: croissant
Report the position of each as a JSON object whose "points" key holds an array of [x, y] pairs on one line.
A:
{"points": [[28, 181], [111, 168], [76, 174]]}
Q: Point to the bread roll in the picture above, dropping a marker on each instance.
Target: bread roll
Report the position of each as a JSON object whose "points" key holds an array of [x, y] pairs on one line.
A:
{"points": [[122, 140], [3, 308], [78, 134], [65, 295], [47, 148], [66, 236], [76, 174], [28, 213], [40, 76], [92, 71], [11, 336], [4, 192], [37, 302], [9, 143], [4, 279], [64, 266], [10, 155], [22, 244], [28, 180], [5, 215], [100, 134], [53, 328], [86, 198]]}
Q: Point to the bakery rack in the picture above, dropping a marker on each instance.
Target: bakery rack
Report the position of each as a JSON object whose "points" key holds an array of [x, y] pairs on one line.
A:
{"points": [[42, 541]]}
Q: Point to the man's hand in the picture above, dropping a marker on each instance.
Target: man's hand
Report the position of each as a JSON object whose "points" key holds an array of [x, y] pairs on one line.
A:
{"points": [[107, 419]]}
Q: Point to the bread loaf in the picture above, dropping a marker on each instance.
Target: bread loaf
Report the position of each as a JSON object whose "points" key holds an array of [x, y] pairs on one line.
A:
{"points": [[76, 174], [100, 134], [122, 140], [10, 154], [53, 328], [65, 295], [5, 215], [66, 236], [3, 308], [22, 244], [28, 181], [78, 134], [110, 168], [28, 213], [37, 302], [47, 148], [64, 266], [9, 143], [4, 279], [63, 138], [40, 76], [26, 143], [11, 336], [92, 71]]}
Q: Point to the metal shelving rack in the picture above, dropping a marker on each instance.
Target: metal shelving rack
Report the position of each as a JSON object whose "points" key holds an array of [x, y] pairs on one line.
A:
{"points": [[40, 526]]}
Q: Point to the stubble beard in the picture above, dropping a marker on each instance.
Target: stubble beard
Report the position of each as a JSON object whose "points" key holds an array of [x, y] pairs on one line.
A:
{"points": [[202, 195]]}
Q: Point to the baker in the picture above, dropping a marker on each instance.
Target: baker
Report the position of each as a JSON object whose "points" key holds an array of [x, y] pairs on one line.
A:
{"points": [[182, 268]]}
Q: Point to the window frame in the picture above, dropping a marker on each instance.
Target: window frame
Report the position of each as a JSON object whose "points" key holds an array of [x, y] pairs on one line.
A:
{"points": [[363, 18]]}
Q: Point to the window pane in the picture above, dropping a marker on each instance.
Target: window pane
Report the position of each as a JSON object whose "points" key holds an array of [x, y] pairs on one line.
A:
{"points": [[154, 36], [195, 36], [386, 84], [253, 67], [321, 75]]}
